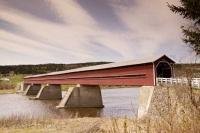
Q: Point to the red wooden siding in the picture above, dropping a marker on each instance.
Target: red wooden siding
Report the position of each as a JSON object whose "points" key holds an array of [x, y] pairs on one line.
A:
{"points": [[137, 75]]}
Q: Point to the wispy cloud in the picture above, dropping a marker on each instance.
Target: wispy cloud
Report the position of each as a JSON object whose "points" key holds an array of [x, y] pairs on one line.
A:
{"points": [[78, 31], [42, 9]]}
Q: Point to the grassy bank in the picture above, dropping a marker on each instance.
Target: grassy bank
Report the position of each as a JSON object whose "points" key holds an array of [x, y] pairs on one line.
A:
{"points": [[7, 87], [97, 125], [7, 91], [74, 125]]}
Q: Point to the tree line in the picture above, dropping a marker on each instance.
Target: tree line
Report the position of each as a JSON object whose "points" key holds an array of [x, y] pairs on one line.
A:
{"points": [[43, 68]]}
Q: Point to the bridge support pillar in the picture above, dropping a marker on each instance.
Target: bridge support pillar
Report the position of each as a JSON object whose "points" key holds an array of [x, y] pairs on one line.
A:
{"points": [[49, 92], [82, 96], [23, 86], [32, 89], [145, 96]]}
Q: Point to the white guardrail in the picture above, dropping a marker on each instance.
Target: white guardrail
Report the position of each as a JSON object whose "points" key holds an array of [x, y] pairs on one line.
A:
{"points": [[195, 82]]}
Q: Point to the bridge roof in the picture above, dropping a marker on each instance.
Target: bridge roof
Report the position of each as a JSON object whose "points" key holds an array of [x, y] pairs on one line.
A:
{"points": [[106, 66]]}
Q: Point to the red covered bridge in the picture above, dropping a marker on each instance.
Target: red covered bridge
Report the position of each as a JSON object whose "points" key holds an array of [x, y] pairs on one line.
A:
{"points": [[141, 72], [87, 93]]}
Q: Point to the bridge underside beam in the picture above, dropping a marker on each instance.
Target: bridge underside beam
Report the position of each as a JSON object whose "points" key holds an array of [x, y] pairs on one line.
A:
{"points": [[83, 96]]}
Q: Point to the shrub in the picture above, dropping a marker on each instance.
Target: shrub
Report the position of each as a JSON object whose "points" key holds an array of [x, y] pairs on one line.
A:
{"points": [[6, 85]]}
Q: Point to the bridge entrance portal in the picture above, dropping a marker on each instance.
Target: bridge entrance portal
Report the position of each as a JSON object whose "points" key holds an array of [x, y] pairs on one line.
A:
{"points": [[164, 70]]}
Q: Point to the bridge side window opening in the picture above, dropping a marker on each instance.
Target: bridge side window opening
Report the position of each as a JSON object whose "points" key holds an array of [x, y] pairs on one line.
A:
{"points": [[164, 70]]}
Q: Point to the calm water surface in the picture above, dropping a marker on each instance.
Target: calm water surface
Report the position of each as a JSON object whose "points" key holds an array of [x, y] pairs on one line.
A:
{"points": [[117, 102]]}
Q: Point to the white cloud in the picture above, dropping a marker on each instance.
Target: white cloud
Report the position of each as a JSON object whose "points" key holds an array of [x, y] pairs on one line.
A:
{"points": [[151, 26], [154, 27]]}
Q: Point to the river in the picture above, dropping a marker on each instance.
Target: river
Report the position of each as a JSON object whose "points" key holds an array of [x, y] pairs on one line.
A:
{"points": [[118, 102]]}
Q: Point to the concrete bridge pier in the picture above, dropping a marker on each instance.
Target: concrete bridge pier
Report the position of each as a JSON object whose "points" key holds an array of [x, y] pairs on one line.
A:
{"points": [[82, 96], [32, 89], [145, 96], [23, 86], [49, 92]]}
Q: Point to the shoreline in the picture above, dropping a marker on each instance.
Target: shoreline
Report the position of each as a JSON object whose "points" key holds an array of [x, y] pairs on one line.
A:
{"points": [[7, 91]]}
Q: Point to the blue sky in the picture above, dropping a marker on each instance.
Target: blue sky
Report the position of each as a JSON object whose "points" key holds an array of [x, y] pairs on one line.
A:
{"points": [[69, 31]]}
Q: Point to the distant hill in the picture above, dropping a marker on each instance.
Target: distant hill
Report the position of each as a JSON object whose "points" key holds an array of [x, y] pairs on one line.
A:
{"points": [[43, 68]]}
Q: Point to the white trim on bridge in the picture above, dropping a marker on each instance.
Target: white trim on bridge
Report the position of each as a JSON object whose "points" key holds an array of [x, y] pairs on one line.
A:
{"points": [[195, 82]]}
